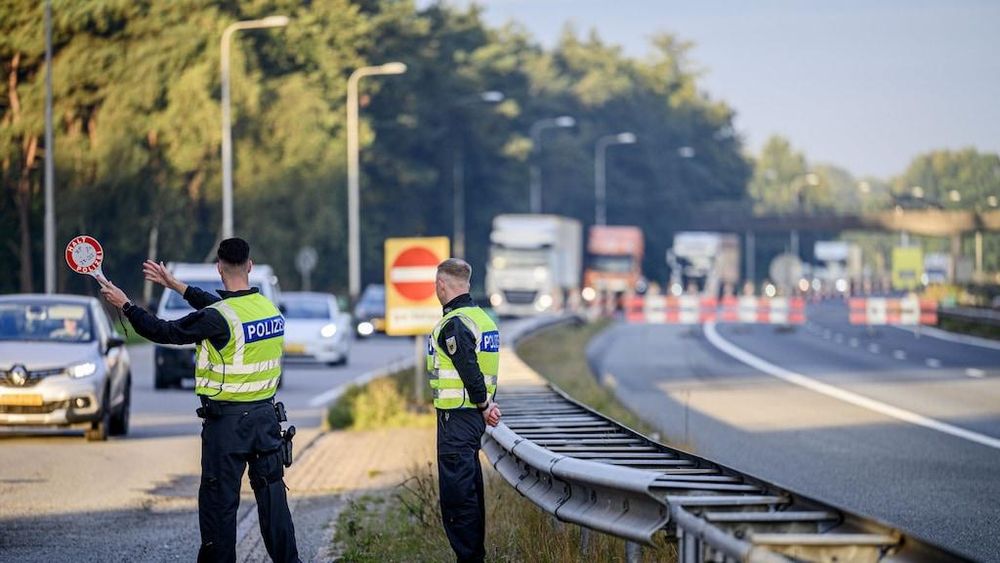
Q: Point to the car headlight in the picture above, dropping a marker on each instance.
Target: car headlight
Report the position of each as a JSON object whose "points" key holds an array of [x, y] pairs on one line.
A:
{"points": [[328, 330], [365, 328], [544, 302], [589, 294], [82, 370], [496, 299]]}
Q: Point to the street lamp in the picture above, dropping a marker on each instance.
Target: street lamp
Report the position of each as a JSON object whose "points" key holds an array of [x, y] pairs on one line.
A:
{"points": [[50, 204], [600, 172], [227, 133], [458, 179], [353, 170], [536, 149]]}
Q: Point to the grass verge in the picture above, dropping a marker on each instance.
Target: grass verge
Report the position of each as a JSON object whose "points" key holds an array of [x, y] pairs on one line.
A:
{"points": [[558, 354], [973, 329], [386, 402], [405, 525]]}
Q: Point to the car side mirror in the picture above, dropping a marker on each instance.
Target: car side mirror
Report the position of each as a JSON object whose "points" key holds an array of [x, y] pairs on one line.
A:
{"points": [[115, 342]]}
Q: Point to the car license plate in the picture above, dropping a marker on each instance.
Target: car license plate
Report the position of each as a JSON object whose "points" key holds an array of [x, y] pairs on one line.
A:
{"points": [[295, 348], [21, 400]]}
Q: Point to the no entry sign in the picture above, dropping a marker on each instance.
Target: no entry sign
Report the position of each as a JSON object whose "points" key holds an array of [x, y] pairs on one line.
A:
{"points": [[411, 306], [84, 255]]}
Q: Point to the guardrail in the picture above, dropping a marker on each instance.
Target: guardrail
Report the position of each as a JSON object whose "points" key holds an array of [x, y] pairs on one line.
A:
{"points": [[587, 469], [990, 317]]}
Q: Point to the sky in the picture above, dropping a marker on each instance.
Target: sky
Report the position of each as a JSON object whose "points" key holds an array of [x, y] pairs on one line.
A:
{"points": [[863, 84]]}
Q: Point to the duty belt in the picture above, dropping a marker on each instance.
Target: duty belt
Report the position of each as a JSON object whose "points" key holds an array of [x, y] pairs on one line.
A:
{"points": [[214, 409]]}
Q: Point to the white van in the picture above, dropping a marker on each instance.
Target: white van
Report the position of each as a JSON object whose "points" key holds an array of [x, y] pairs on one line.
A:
{"points": [[174, 365]]}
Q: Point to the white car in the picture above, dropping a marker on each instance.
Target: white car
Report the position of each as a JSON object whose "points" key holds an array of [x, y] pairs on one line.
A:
{"points": [[62, 364], [315, 328]]}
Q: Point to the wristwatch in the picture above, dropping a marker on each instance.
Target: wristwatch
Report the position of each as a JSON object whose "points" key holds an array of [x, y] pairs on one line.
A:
{"points": [[483, 406]]}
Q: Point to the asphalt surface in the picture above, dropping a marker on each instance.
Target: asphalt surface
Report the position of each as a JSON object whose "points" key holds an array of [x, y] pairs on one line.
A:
{"points": [[135, 498], [930, 482]]}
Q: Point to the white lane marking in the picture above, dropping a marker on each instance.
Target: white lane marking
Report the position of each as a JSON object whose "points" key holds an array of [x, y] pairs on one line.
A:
{"points": [[975, 372], [933, 362], [899, 354], [334, 393], [873, 348], [847, 396], [853, 342], [951, 337]]}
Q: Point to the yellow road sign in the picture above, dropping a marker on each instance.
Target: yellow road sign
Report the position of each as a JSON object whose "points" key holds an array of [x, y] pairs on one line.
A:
{"points": [[411, 305]]}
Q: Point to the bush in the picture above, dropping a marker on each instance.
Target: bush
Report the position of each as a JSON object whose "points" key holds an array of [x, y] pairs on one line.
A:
{"points": [[385, 402]]}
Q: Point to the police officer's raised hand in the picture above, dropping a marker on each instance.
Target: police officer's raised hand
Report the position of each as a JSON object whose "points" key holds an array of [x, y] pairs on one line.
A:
{"points": [[112, 294], [158, 273], [492, 414]]}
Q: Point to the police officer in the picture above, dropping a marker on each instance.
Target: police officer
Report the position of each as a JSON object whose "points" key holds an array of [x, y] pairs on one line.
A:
{"points": [[462, 363], [238, 365]]}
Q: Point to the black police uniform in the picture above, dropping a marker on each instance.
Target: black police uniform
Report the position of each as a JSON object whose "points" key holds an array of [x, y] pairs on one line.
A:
{"points": [[233, 435], [459, 431]]}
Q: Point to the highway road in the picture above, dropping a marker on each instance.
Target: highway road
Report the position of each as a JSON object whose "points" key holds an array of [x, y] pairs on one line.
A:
{"points": [[884, 422], [131, 499]]}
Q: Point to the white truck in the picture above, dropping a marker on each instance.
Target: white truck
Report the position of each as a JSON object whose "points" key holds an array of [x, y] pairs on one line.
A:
{"points": [[535, 264], [704, 262]]}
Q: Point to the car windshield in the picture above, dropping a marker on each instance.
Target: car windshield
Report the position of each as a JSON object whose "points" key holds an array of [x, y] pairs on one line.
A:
{"points": [[176, 300], [612, 264], [46, 321], [502, 258], [307, 308], [373, 297]]}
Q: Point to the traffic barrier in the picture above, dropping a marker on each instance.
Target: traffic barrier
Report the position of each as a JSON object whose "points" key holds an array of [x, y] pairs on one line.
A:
{"points": [[763, 310], [906, 311], [587, 469], [694, 309]]}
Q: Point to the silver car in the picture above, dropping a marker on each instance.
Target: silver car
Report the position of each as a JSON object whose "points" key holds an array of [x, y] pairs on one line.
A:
{"points": [[62, 365]]}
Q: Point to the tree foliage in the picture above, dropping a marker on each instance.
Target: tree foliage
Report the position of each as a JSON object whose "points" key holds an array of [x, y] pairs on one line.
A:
{"points": [[137, 118]]}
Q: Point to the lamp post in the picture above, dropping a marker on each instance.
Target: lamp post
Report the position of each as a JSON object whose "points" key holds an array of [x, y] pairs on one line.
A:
{"points": [[353, 171], [50, 204], [458, 177], [536, 149], [227, 132], [600, 172]]}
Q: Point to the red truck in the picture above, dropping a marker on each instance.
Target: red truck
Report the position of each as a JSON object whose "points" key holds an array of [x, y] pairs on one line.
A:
{"points": [[614, 264]]}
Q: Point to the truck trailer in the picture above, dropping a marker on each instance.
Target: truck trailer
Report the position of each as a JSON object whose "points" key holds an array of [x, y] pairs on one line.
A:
{"points": [[534, 265]]}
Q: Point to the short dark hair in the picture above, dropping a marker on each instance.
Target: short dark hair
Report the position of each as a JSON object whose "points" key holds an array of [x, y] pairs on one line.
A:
{"points": [[234, 251]]}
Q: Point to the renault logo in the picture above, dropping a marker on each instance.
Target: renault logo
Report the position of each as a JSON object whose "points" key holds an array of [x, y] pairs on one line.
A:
{"points": [[18, 375]]}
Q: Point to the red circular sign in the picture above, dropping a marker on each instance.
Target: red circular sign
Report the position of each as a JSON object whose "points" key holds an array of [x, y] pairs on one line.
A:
{"points": [[84, 255], [413, 272]]}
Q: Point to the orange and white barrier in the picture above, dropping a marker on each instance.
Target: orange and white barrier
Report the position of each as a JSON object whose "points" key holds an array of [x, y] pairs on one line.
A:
{"points": [[909, 311], [694, 309], [763, 310], [668, 309]]}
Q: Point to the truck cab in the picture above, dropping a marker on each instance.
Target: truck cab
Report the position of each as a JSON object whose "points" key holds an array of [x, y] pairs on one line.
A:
{"points": [[174, 365], [614, 264], [534, 264]]}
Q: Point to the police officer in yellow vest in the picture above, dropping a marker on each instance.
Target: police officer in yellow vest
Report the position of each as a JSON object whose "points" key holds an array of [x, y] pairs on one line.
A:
{"points": [[463, 364], [238, 366]]}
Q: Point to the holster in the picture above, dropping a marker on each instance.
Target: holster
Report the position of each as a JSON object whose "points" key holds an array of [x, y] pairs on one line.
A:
{"points": [[286, 446]]}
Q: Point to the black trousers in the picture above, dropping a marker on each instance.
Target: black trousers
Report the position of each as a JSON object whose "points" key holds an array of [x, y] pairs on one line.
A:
{"points": [[241, 435], [460, 482]]}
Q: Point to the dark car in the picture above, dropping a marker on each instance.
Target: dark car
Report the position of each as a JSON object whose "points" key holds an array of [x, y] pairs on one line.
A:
{"points": [[369, 313]]}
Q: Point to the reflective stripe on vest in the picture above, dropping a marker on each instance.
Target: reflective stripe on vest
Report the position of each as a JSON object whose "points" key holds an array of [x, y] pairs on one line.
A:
{"points": [[248, 368], [446, 384]]}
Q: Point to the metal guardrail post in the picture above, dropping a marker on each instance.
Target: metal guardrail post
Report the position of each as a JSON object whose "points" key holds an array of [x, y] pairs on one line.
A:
{"points": [[633, 552]]}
